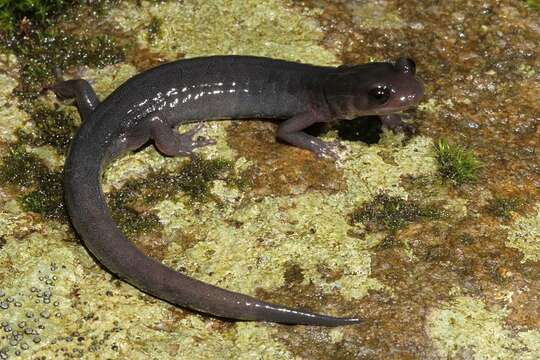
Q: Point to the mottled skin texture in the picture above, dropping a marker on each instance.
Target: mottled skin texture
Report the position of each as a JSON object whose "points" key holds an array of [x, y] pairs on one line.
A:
{"points": [[150, 106]]}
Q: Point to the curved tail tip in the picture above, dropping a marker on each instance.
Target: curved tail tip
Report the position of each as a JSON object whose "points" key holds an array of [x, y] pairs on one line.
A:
{"points": [[350, 321], [335, 321]]}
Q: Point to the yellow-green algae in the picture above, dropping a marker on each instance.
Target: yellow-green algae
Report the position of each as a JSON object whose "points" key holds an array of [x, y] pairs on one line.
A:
{"points": [[244, 243], [59, 303], [197, 27], [375, 15], [11, 117], [524, 235], [467, 328]]}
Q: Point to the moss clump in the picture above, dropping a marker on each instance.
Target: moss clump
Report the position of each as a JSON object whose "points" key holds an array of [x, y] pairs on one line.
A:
{"points": [[195, 177], [154, 28], [53, 127], [534, 4], [26, 170], [391, 213], [35, 11], [133, 223], [456, 163], [47, 199], [503, 207], [21, 168], [130, 203], [41, 53]]}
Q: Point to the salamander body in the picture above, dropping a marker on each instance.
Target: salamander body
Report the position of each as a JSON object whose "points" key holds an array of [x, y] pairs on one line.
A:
{"points": [[151, 105]]}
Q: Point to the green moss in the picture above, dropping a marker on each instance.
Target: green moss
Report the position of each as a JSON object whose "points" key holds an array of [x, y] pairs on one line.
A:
{"points": [[154, 28], [534, 4], [41, 53], [133, 223], [47, 199], [193, 178], [456, 163], [36, 11], [53, 127], [129, 219], [20, 167], [391, 213], [24, 169], [503, 207]]}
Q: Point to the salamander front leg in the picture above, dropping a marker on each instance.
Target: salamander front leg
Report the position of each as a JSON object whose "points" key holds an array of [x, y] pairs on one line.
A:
{"points": [[290, 131], [172, 143], [78, 89]]}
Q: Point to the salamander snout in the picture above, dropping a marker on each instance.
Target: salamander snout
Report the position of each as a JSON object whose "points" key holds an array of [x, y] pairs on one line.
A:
{"points": [[411, 90], [396, 90], [373, 89]]}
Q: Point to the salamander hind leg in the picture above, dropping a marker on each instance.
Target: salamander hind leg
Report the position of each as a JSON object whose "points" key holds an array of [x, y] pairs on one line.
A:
{"points": [[170, 142]]}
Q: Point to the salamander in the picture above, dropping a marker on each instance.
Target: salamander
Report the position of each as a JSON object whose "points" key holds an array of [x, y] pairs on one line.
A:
{"points": [[151, 105]]}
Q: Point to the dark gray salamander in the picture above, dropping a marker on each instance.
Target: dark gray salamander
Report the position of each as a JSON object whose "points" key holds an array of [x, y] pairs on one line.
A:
{"points": [[150, 106]]}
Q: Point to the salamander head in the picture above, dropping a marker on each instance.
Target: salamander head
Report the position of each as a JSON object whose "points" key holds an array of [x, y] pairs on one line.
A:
{"points": [[373, 89]]}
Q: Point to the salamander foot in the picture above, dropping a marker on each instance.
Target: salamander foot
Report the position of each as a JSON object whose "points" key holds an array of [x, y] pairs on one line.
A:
{"points": [[172, 143]]}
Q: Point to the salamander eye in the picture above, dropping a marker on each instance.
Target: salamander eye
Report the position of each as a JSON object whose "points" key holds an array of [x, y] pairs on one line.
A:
{"points": [[379, 94]]}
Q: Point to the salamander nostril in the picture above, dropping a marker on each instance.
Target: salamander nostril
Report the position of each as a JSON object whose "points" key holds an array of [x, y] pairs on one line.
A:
{"points": [[412, 66], [406, 65]]}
